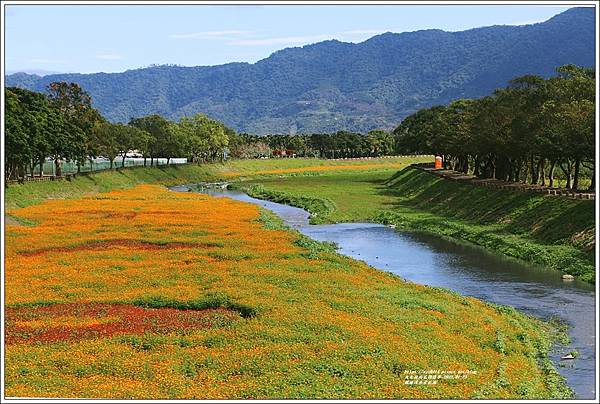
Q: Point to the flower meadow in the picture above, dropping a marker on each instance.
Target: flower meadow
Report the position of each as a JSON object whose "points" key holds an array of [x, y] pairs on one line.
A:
{"points": [[146, 294], [320, 168]]}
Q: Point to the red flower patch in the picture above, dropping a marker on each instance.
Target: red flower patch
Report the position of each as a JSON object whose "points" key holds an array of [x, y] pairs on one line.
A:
{"points": [[105, 245], [77, 321]]}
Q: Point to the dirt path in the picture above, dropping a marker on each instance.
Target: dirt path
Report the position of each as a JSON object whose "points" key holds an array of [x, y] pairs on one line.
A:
{"points": [[498, 184], [12, 221]]}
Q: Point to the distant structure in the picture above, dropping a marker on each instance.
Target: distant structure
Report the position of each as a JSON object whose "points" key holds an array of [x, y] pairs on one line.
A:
{"points": [[283, 153], [134, 154]]}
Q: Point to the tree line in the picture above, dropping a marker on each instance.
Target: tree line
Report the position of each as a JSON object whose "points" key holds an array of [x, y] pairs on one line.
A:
{"points": [[523, 132], [340, 144], [62, 125]]}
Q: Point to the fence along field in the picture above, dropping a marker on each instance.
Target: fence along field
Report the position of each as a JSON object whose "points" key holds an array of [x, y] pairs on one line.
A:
{"points": [[69, 168]]}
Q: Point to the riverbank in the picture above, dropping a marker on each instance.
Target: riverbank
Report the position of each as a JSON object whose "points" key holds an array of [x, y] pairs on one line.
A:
{"points": [[254, 311], [31, 193], [21, 195], [553, 232]]}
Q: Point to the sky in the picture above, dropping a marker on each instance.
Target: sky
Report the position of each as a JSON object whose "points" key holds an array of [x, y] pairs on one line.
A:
{"points": [[115, 38]]}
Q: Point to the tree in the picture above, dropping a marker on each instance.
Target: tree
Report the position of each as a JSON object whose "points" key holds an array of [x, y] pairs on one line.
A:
{"points": [[106, 138], [380, 143], [255, 150], [513, 134], [158, 131], [130, 138], [36, 130], [419, 132], [196, 137], [203, 138], [17, 140], [75, 106]]}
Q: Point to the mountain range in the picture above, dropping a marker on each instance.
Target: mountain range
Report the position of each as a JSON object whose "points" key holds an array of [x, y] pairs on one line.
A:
{"points": [[333, 85]]}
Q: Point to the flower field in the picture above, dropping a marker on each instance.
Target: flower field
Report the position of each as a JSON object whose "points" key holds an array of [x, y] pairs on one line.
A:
{"points": [[146, 293], [321, 168]]}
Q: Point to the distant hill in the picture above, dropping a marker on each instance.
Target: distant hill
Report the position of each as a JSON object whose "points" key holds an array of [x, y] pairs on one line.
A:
{"points": [[333, 85], [36, 72]]}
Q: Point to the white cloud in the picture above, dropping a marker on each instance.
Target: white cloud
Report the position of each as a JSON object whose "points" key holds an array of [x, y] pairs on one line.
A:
{"points": [[47, 61], [528, 22], [294, 40], [108, 56], [224, 34], [364, 31], [287, 40]]}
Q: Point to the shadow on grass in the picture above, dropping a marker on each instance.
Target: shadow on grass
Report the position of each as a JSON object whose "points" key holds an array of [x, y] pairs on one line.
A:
{"points": [[547, 220]]}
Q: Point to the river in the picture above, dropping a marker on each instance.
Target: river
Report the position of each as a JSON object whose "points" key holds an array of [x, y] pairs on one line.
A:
{"points": [[468, 270]]}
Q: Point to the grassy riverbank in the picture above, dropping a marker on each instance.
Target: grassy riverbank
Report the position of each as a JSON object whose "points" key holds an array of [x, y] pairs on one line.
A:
{"points": [[31, 193], [146, 293], [35, 192], [553, 232]]}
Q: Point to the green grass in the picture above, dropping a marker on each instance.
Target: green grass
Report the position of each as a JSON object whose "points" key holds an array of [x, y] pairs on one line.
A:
{"points": [[357, 196], [248, 166], [31, 193], [319, 208], [554, 232], [549, 220], [211, 301]]}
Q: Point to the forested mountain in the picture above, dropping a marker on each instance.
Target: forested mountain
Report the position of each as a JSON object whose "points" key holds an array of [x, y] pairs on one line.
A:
{"points": [[332, 85]]}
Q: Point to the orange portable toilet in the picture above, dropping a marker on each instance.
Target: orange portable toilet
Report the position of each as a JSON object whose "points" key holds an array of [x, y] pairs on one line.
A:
{"points": [[438, 163]]}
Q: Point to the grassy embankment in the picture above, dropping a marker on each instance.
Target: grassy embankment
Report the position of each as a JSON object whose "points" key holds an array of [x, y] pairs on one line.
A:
{"points": [[554, 232], [146, 293], [36, 192]]}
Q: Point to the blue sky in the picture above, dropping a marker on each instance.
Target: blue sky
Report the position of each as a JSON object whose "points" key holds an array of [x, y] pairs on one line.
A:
{"points": [[105, 38]]}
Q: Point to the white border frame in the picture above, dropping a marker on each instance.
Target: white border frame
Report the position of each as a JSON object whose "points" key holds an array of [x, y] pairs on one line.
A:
{"points": [[291, 2]]}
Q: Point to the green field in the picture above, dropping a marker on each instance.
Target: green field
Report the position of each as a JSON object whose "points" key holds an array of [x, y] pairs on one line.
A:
{"points": [[356, 196], [34, 192]]}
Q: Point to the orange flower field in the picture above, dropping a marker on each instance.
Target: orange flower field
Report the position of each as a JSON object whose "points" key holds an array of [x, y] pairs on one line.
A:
{"points": [[148, 293], [318, 169]]}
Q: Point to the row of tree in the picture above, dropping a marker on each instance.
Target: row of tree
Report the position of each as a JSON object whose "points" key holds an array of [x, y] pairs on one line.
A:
{"points": [[376, 143], [39, 126], [63, 126], [523, 132]]}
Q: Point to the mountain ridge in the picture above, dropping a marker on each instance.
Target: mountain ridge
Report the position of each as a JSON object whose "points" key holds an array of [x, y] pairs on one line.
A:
{"points": [[334, 85]]}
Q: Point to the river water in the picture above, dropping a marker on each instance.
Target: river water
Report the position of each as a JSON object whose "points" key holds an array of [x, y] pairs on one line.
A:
{"points": [[468, 270]]}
